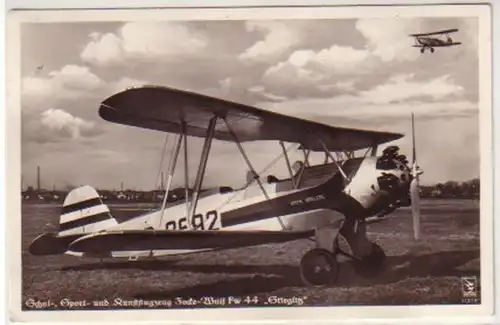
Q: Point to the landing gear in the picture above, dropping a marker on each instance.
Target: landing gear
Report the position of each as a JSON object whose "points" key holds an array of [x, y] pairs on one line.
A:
{"points": [[371, 264], [319, 267], [422, 50]]}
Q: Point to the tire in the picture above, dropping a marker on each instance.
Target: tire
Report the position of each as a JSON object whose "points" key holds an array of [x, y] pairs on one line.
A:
{"points": [[372, 264], [319, 268]]}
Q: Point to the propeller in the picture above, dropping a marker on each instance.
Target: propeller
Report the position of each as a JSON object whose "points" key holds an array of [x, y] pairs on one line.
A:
{"points": [[414, 186]]}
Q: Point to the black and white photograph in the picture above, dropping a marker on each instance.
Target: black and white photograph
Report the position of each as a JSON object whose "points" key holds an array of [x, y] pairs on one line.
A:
{"points": [[277, 160]]}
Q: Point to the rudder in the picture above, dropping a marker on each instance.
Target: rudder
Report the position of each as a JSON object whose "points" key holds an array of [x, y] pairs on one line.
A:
{"points": [[84, 212]]}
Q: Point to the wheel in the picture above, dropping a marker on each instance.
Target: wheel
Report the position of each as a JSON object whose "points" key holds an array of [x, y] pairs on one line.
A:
{"points": [[371, 264], [432, 50], [422, 50], [319, 267]]}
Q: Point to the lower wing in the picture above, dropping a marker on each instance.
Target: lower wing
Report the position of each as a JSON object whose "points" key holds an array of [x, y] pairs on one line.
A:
{"points": [[137, 240], [438, 45]]}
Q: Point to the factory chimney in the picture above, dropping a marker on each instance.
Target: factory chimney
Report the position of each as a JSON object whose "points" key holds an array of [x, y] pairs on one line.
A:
{"points": [[38, 178]]}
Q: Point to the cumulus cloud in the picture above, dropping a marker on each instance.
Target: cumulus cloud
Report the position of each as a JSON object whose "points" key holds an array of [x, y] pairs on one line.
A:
{"points": [[143, 40], [403, 87], [103, 49], [65, 123], [55, 125], [365, 76], [69, 82], [338, 58], [399, 96], [278, 39], [124, 83], [310, 73], [388, 38]]}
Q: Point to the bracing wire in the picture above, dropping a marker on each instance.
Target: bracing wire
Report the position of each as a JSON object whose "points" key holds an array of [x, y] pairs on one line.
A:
{"points": [[269, 165], [161, 162], [171, 170]]}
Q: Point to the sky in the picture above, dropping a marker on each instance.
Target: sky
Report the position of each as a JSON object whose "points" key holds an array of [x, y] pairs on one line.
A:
{"points": [[360, 73]]}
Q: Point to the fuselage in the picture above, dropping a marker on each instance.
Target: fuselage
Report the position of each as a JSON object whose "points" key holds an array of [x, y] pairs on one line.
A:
{"points": [[430, 41], [313, 198]]}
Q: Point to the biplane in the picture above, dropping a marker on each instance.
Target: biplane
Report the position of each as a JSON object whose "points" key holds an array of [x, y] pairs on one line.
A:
{"points": [[325, 202], [427, 41]]}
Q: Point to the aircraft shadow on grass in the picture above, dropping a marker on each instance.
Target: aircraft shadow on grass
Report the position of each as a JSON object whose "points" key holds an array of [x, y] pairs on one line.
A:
{"points": [[268, 278]]}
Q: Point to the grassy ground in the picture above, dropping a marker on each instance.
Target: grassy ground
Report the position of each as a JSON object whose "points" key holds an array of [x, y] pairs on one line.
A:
{"points": [[425, 272]]}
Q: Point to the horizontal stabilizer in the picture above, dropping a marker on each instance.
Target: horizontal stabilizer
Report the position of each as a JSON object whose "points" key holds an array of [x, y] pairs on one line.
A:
{"points": [[51, 244], [136, 240]]}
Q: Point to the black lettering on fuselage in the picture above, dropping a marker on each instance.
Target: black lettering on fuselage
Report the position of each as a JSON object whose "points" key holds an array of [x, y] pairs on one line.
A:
{"points": [[198, 222]]}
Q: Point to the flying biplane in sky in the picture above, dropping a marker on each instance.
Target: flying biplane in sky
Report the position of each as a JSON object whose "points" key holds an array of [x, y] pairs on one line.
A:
{"points": [[432, 40], [319, 202]]}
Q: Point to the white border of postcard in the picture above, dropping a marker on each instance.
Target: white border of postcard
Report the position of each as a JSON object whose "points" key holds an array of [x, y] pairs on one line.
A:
{"points": [[463, 313]]}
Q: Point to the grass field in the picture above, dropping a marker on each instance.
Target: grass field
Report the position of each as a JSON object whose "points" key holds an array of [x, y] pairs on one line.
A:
{"points": [[424, 272]]}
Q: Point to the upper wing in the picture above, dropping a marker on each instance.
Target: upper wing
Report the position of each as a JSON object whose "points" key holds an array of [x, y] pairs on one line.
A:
{"points": [[163, 109], [446, 31], [136, 240]]}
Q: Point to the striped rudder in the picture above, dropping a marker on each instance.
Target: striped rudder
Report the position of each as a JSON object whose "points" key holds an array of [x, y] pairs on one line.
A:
{"points": [[84, 212]]}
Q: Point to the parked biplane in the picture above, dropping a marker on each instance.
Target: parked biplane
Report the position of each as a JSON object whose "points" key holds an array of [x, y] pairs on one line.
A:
{"points": [[430, 41], [320, 202]]}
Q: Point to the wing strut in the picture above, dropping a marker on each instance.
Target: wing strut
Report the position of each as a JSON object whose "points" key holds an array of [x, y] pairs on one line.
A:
{"points": [[299, 177], [252, 170], [306, 156], [202, 167], [186, 168], [333, 159], [171, 169], [287, 162]]}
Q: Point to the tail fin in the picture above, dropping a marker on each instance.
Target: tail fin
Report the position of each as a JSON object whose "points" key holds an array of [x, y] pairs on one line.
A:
{"points": [[84, 212]]}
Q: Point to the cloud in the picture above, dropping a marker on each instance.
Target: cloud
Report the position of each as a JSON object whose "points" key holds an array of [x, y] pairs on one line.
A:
{"points": [[310, 73], [355, 73], [124, 83], [388, 39], [398, 97], [328, 70], [65, 123], [279, 38], [70, 82], [143, 40], [103, 49], [337, 58], [55, 125], [403, 87]]}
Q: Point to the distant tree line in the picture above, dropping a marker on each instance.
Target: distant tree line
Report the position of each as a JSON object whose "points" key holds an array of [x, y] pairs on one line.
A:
{"points": [[109, 196], [451, 189], [465, 190]]}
